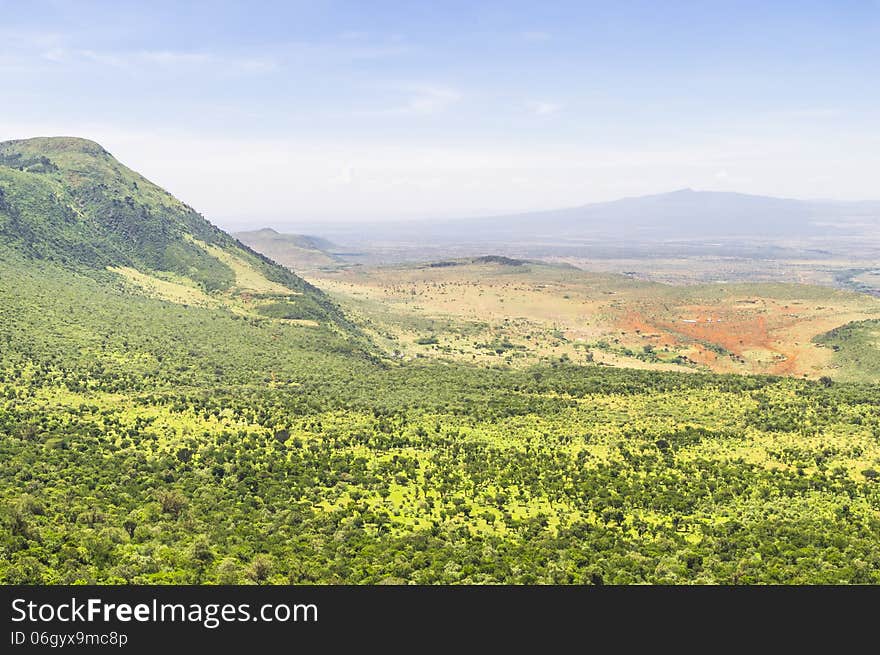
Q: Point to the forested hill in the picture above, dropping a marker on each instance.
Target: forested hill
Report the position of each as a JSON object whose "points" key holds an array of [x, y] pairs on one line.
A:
{"points": [[68, 201]]}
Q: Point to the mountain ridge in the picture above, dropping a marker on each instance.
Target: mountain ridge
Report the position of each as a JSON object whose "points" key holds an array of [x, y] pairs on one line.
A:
{"points": [[686, 213], [683, 215]]}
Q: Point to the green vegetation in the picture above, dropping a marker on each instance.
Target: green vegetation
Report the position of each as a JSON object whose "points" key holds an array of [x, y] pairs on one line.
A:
{"points": [[863, 280], [81, 208], [295, 251], [144, 440], [856, 348]]}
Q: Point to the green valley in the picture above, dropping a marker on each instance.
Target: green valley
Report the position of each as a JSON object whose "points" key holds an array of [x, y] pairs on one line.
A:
{"points": [[176, 408]]}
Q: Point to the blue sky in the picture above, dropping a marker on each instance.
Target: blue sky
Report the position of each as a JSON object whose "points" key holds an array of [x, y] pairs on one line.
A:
{"points": [[272, 113]]}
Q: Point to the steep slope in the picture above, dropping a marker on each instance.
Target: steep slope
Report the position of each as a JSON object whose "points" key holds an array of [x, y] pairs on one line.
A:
{"points": [[68, 201], [295, 251]]}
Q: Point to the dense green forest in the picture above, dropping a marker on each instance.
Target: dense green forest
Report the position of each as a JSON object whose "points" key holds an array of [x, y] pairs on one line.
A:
{"points": [[144, 441], [150, 441]]}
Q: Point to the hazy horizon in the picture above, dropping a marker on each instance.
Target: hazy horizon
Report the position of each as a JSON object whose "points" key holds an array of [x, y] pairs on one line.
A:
{"points": [[282, 223], [341, 113]]}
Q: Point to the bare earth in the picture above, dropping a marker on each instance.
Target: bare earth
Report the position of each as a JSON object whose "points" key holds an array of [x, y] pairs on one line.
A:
{"points": [[521, 314]]}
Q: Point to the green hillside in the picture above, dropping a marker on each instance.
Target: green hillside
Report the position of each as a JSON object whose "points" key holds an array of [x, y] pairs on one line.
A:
{"points": [[68, 201], [856, 348], [295, 251], [159, 425]]}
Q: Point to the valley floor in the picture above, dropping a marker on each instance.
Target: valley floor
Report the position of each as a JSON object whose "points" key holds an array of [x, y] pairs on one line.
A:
{"points": [[150, 441], [499, 311]]}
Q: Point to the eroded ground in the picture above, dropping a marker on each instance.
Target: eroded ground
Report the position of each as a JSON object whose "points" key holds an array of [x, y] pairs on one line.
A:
{"points": [[519, 313]]}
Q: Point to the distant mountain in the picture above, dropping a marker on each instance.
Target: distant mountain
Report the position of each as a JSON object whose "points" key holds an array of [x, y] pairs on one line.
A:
{"points": [[619, 227], [68, 202], [295, 251], [682, 214]]}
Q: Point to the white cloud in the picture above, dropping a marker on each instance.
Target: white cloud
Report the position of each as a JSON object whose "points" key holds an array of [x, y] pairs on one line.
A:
{"points": [[542, 108], [72, 56], [160, 59], [57, 55], [33, 50], [428, 99], [346, 175], [169, 58], [348, 46]]}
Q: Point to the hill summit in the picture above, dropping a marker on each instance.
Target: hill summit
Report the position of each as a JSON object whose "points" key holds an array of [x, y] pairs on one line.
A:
{"points": [[68, 201]]}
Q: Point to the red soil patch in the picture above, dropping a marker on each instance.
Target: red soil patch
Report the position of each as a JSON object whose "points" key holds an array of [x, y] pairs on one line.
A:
{"points": [[733, 329], [704, 356], [633, 321], [735, 334], [787, 366]]}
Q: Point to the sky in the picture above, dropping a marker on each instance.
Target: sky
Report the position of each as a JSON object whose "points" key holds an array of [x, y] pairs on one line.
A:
{"points": [[273, 113]]}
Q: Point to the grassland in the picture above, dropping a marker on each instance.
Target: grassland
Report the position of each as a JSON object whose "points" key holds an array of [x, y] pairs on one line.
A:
{"points": [[525, 313]]}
